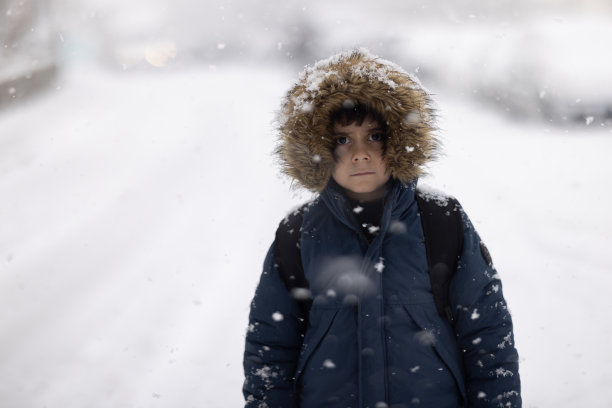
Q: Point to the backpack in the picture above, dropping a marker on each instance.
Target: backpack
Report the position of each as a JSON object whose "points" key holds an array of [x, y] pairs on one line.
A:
{"points": [[443, 232]]}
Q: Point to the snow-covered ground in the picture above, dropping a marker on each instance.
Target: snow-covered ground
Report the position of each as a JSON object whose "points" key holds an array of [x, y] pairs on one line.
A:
{"points": [[136, 210]]}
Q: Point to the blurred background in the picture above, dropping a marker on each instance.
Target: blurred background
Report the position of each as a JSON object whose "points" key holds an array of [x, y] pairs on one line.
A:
{"points": [[138, 192], [545, 59]]}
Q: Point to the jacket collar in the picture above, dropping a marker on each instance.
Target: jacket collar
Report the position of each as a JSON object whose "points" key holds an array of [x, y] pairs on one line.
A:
{"points": [[398, 198]]}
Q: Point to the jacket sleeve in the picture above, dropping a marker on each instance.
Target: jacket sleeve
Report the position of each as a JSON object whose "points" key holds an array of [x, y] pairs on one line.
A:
{"points": [[484, 327], [273, 343]]}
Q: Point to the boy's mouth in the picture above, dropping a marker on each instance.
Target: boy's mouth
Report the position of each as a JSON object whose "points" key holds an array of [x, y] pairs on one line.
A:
{"points": [[362, 173]]}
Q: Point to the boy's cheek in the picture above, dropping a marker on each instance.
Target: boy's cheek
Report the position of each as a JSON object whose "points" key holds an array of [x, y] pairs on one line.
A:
{"points": [[338, 152]]}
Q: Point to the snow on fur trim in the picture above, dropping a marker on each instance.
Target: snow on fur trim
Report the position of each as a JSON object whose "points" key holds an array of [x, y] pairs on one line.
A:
{"points": [[305, 143]]}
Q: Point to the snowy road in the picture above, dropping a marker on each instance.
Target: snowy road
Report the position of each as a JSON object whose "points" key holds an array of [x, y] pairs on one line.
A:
{"points": [[135, 212]]}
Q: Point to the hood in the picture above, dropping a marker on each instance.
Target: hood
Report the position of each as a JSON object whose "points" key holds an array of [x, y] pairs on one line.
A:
{"points": [[305, 143]]}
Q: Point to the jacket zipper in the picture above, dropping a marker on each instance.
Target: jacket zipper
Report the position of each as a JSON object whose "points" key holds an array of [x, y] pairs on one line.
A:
{"points": [[365, 268]]}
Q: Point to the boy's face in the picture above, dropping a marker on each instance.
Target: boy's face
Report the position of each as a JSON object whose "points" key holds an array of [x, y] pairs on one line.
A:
{"points": [[360, 167]]}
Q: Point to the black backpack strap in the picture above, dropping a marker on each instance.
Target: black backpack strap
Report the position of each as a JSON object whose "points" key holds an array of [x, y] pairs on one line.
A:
{"points": [[443, 231], [288, 259]]}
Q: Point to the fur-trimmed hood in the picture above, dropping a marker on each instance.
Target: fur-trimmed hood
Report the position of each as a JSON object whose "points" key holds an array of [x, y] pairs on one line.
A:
{"points": [[305, 146]]}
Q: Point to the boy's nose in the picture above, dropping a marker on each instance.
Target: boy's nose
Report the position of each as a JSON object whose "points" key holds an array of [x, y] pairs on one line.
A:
{"points": [[360, 154]]}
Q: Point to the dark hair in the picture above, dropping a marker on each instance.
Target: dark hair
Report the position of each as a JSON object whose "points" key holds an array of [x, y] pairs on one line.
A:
{"points": [[355, 112]]}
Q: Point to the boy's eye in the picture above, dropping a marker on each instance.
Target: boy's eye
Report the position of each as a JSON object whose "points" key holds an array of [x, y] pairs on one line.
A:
{"points": [[376, 137], [342, 140]]}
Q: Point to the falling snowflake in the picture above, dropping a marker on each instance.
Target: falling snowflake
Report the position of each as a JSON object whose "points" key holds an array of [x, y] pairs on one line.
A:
{"points": [[507, 340], [397, 227], [502, 372], [475, 315], [380, 265], [329, 364], [357, 209], [412, 118], [301, 293], [307, 107], [426, 337], [348, 104], [277, 316], [265, 373]]}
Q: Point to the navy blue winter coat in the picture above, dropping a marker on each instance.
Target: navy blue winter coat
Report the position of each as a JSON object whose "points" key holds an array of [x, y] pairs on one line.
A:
{"points": [[376, 339]]}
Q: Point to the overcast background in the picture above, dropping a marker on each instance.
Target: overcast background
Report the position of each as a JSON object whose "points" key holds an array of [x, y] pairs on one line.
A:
{"points": [[138, 193]]}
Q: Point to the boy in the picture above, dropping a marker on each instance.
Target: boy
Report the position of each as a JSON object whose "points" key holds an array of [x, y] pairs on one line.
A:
{"points": [[360, 326]]}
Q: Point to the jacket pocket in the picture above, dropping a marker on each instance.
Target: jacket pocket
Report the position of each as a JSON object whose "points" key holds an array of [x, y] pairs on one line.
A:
{"points": [[322, 319], [441, 336]]}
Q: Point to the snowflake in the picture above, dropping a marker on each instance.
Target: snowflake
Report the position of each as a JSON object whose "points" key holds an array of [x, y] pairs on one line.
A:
{"points": [[329, 364], [507, 339], [380, 265], [502, 372]]}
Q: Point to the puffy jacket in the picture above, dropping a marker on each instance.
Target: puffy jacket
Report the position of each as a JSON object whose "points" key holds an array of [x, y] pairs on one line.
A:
{"points": [[375, 337]]}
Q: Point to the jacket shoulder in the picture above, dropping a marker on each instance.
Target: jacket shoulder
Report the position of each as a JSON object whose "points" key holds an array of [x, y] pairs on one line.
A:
{"points": [[291, 224], [430, 194]]}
